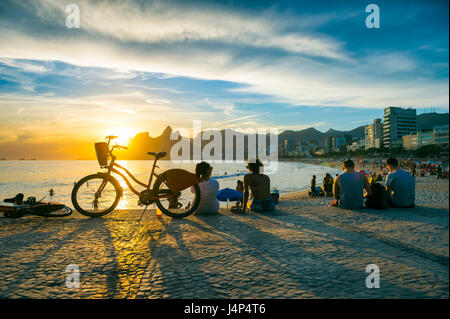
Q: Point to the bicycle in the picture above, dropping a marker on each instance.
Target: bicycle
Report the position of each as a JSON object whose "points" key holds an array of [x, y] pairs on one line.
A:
{"points": [[175, 192], [33, 207]]}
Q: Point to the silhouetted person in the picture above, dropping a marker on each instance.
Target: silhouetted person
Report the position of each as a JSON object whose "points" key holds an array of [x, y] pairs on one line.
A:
{"points": [[259, 184], [328, 185], [349, 186], [400, 185], [208, 189]]}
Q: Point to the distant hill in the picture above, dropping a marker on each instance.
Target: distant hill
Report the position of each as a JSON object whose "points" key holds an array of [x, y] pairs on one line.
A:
{"points": [[143, 143], [424, 121], [427, 121], [311, 134]]}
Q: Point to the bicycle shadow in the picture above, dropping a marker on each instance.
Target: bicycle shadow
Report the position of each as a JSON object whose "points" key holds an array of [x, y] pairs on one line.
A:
{"points": [[170, 280]]}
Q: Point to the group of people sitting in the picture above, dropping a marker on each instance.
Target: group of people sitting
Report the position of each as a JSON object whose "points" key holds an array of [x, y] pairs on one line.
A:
{"points": [[255, 182], [349, 187]]}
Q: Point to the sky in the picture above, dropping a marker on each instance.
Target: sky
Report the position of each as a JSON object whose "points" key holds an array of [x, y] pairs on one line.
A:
{"points": [[136, 66]]}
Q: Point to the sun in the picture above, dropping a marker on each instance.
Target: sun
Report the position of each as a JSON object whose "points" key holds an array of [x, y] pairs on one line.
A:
{"points": [[124, 135]]}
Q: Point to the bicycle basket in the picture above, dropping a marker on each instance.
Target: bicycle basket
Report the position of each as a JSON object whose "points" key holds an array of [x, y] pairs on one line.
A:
{"points": [[101, 149]]}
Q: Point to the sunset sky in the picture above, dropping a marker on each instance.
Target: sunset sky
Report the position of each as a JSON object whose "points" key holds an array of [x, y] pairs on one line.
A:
{"points": [[138, 66]]}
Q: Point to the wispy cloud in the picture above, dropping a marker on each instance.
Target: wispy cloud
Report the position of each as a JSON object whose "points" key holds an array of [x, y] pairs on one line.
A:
{"points": [[144, 65], [269, 51], [23, 65]]}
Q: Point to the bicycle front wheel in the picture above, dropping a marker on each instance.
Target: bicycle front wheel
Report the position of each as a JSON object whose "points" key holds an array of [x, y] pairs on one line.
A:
{"points": [[62, 212], [179, 205], [84, 195]]}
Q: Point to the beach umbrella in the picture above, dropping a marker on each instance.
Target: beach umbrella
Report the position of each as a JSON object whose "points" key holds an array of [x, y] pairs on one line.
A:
{"points": [[228, 194]]}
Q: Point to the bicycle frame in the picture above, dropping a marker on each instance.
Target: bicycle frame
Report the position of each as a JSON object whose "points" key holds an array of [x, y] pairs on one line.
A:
{"points": [[112, 169], [175, 179]]}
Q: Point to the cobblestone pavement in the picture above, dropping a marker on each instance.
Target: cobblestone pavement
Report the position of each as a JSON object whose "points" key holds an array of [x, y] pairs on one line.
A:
{"points": [[291, 253]]}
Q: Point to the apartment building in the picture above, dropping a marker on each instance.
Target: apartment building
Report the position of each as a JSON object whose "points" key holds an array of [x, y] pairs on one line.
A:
{"points": [[398, 122], [373, 134]]}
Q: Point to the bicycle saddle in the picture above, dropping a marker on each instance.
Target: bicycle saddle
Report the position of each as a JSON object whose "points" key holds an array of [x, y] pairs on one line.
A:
{"points": [[18, 199], [157, 155]]}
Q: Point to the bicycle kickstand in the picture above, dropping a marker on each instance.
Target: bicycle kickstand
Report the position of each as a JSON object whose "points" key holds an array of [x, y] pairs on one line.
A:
{"points": [[142, 213]]}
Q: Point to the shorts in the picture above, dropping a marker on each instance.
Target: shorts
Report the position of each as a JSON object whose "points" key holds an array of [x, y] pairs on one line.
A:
{"points": [[263, 205]]}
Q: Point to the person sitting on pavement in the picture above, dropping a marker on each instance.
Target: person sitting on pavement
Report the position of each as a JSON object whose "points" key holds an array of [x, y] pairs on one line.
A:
{"points": [[328, 185], [349, 186], [208, 189], [239, 188], [315, 191], [400, 186], [259, 185]]}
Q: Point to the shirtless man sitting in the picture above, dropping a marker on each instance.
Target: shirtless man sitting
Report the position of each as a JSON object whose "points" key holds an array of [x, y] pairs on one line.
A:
{"points": [[259, 185]]}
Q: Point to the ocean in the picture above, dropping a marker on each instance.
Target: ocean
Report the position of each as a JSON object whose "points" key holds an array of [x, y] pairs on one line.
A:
{"points": [[36, 178]]}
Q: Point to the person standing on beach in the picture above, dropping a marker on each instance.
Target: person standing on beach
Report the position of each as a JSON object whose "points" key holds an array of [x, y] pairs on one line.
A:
{"points": [[438, 172], [348, 187], [413, 170], [400, 186], [313, 185]]}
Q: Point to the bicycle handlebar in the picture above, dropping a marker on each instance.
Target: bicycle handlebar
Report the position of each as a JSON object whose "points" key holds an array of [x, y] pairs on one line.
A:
{"points": [[119, 146]]}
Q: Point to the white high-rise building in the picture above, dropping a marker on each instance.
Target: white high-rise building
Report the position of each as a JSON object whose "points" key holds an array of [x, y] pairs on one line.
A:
{"points": [[398, 122]]}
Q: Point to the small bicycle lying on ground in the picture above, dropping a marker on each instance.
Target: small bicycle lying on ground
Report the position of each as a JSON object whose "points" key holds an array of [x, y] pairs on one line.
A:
{"points": [[175, 191], [33, 207]]}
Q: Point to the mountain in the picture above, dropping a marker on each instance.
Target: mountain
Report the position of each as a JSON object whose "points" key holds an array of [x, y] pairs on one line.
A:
{"points": [[427, 121], [311, 134], [143, 143], [358, 132], [424, 121]]}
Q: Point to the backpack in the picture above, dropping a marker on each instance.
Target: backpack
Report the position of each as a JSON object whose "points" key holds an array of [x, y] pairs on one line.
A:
{"points": [[379, 198]]}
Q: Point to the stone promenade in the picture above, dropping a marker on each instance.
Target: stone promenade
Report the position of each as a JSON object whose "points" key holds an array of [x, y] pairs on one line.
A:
{"points": [[302, 250]]}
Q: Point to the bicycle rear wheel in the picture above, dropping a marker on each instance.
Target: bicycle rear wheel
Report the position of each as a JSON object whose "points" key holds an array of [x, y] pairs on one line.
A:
{"points": [[85, 201], [179, 205]]}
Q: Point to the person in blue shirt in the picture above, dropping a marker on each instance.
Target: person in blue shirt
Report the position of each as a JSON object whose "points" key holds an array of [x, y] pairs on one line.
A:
{"points": [[400, 186]]}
